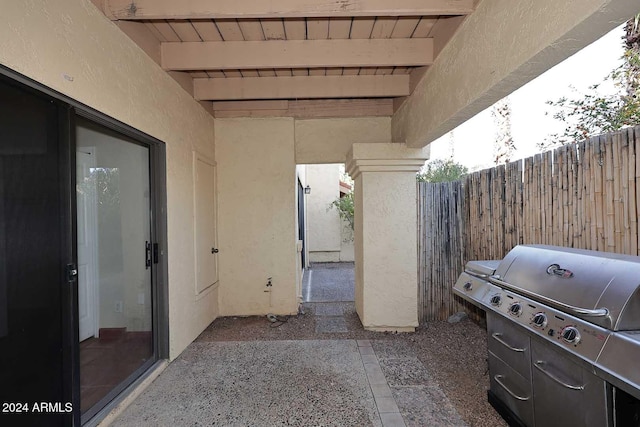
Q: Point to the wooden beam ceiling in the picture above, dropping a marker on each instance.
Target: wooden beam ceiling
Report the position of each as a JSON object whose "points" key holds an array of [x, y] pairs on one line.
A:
{"points": [[296, 54], [221, 9], [371, 86], [348, 52]]}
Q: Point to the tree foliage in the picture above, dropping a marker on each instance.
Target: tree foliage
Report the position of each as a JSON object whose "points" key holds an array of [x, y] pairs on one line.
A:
{"points": [[503, 145], [592, 113], [442, 171], [344, 206]]}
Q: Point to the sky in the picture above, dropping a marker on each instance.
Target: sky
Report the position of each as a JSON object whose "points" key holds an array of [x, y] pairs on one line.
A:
{"points": [[473, 140]]}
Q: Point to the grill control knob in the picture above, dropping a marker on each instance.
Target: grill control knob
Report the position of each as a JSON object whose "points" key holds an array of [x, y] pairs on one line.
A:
{"points": [[571, 335], [515, 309], [468, 286], [539, 320], [496, 300]]}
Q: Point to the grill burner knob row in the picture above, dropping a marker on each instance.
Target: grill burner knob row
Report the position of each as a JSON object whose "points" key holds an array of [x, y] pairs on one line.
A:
{"points": [[539, 320], [571, 335], [515, 309]]}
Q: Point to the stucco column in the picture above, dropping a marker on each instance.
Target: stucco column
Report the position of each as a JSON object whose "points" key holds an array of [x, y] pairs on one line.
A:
{"points": [[385, 237]]}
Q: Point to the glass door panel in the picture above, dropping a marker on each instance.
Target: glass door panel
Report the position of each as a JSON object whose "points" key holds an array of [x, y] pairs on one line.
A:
{"points": [[114, 262]]}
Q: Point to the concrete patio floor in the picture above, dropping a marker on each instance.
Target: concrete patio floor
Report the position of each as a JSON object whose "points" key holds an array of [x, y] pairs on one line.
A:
{"points": [[318, 369], [290, 383]]}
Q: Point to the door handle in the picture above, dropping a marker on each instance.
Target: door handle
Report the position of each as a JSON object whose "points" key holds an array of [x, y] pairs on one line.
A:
{"points": [[499, 378], [539, 364], [72, 272], [498, 337], [147, 255], [214, 250]]}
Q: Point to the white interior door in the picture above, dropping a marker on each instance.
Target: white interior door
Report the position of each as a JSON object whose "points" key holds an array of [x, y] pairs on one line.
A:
{"points": [[87, 224]]}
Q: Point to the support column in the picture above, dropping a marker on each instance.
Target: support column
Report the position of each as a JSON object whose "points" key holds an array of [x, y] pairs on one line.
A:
{"points": [[385, 238]]}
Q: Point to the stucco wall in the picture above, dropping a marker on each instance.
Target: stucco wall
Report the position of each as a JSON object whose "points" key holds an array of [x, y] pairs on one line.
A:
{"points": [[257, 215], [329, 140], [324, 223], [70, 46], [347, 250]]}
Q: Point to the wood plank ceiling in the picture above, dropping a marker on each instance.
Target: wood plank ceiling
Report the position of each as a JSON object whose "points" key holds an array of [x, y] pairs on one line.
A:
{"points": [[292, 57]]}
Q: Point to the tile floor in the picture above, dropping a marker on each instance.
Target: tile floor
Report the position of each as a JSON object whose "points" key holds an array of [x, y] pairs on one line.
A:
{"points": [[106, 362]]}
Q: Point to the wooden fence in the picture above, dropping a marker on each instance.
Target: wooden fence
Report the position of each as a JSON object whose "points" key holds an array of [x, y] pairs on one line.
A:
{"points": [[585, 195]]}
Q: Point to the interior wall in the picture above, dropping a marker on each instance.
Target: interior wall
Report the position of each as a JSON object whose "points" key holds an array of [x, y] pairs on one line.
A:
{"points": [[257, 216], [71, 47]]}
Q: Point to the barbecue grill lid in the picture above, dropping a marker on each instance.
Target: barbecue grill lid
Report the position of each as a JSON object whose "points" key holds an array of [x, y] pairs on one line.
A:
{"points": [[587, 280]]}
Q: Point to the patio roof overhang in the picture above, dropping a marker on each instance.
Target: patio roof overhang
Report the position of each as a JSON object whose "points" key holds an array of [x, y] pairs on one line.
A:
{"points": [[430, 64]]}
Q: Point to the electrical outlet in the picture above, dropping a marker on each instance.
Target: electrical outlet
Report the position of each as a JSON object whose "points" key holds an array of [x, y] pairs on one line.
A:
{"points": [[119, 305]]}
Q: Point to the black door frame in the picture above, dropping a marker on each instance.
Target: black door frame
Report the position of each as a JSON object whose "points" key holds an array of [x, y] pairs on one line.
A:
{"points": [[68, 110], [302, 234]]}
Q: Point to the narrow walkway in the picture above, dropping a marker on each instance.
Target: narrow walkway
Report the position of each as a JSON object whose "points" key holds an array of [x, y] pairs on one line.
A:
{"points": [[299, 374], [326, 287]]}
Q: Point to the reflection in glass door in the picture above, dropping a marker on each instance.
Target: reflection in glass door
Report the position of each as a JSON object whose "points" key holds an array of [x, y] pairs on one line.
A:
{"points": [[114, 263]]}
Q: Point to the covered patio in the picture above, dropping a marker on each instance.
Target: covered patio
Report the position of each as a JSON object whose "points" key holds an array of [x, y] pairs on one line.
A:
{"points": [[220, 102]]}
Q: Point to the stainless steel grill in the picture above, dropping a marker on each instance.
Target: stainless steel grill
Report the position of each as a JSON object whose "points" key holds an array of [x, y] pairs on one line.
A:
{"points": [[564, 335]]}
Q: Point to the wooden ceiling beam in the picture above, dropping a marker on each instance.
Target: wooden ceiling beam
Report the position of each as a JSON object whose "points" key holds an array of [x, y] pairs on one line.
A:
{"points": [[296, 54], [306, 108], [301, 87], [241, 9]]}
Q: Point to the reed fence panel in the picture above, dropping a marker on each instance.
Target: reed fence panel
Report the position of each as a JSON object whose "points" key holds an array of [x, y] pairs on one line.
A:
{"points": [[585, 195]]}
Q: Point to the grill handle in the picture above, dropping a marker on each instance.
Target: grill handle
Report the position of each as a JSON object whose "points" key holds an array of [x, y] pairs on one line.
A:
{"points": [[479, 275], [498, 379], [576, 311], [497, 336], [539, 365]]}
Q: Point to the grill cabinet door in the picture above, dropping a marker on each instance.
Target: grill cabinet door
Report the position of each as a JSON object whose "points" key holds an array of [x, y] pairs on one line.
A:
{"points": [[510, 343], [566, 394]]}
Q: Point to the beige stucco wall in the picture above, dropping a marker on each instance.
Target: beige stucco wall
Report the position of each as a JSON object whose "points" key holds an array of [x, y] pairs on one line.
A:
{"points": [[329, 140], [257, 215], [323, 223], [498, 48], [347, 250], [68, 45]]}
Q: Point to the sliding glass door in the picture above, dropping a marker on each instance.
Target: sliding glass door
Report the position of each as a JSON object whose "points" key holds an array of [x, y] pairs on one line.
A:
{"points": [[83, 306], [36, 259], [115, 262]]}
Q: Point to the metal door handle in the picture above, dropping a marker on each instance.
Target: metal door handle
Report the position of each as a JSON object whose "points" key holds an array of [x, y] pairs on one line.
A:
{"points": [[496, 336], [539, 365], [499, 378], [147, 255]]}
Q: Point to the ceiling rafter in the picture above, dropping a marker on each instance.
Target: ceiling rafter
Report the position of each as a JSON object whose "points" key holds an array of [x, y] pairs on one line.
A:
{"points": [[296, 54], [301, 87], [221, 9]]}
